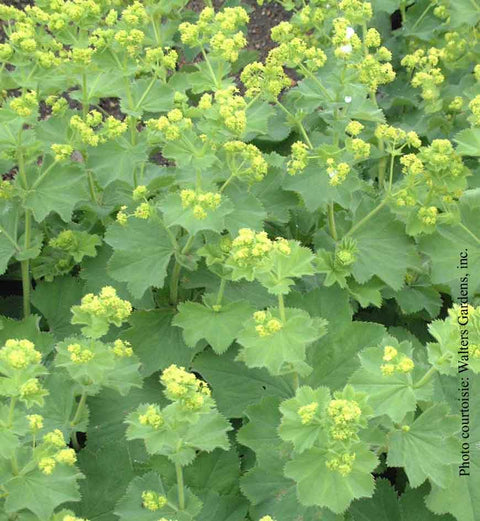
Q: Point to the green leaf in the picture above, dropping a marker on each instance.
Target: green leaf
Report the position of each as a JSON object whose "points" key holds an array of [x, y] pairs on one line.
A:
{"points": [[318, 485], [383, 250], [468, 142], [303, 436], [59, 191], [148, 97], [427, 448], [283, 351], [8, 220], [94, 272], [176, 214], [248, 211], [285, 267], [218, 328], [142, 251], [223, 508], [245, 386], [443, 247], [315, 189], [125, 156], [108, 471], [383, 506], [28, 328], [54, 300], [155, 341], [40, 493], [130, 506], [391, 394]]}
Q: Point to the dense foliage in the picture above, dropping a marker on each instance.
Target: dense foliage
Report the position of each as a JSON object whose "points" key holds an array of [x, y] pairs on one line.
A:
{"points": [[245, 284]]}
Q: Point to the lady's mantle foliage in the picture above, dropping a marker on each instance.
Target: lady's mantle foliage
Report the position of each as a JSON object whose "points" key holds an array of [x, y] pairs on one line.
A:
{"points": [[210, 243]]}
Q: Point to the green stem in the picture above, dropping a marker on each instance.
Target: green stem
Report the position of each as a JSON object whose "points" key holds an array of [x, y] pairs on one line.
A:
{"points": [[11, 410], [403, 10], [422, 16], [390, 177], [426, 377], [382, 165], [84, 96], [366, 218], [174, 284], [174, 281], [299, 124], [331, 222], [295, 381], [469, 232], [226, 183], [210, 69], [310, 75], [91, 186], [221, 290], [181, 492], [80, 407], [25, 266]]}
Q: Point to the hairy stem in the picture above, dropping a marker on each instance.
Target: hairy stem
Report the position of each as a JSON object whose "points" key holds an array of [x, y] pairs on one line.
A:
{"points": [[331, 222], [181, 492]]}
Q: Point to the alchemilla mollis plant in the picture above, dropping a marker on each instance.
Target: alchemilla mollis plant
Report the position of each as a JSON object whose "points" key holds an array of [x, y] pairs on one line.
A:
{"points": [[237, 286]]}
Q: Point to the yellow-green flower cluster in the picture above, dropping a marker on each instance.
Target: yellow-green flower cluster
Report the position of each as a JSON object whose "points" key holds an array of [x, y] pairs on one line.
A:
{"points": [[299, 159], [153, 501], [395, 362], [356, 11], [139, 193], [19, 354], [246, 160], [6, 189], [266, 324], [62, 152], [267, 80], [428, 215], [32, 390], [56, 452], [251, 249], [135, 15], [267, 518], [343, 464], [344, 415], [151, 417], [183, 386], [397, 136], [157, 57], [6, 51], [375, 69], [297, 53], [35, 421], [474, 107], [428, 75], [143, 211], [307, 413], [337, 172], [221, 31], [58, 105], [26, 104], [455, 47], [354, 128], [172, 125], [456, 104], [131, 40], [200, 202], [344, 38], [359, 148], [412, 165], [107, 305], [80, 354], [85, 129], [232, 109]]}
